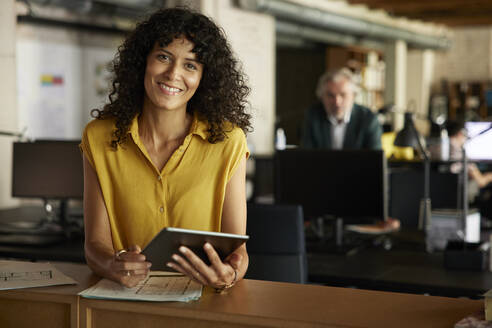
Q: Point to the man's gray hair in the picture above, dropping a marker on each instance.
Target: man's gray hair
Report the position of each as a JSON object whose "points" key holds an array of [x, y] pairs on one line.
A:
{"points": [[334, 76]]}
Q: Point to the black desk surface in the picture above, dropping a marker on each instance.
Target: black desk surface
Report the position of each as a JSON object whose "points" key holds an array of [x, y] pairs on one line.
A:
{"points": [[68, 249], [404, 268]]}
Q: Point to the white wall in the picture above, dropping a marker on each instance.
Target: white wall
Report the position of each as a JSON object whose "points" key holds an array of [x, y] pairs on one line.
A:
{"points": [[420, 68], [470, 57], [8, 103], [80, 59], [252, 37], [395, 86]]}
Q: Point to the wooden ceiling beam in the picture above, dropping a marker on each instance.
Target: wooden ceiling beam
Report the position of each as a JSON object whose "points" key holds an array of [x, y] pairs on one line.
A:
{"points": [[418, 2], [443, 14], [449, 12], [436, 4], [405, 8], [431, 15], [462, 21]]}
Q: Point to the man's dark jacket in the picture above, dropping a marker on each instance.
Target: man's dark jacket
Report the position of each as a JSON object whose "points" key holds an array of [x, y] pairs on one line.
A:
{"points": [[363, 130]]}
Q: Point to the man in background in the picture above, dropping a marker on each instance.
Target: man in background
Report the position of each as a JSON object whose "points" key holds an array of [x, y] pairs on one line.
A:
{"points": [[336, 122]]}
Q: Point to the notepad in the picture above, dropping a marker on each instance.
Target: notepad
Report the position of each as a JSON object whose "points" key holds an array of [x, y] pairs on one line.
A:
{"points": [[159, 286]]}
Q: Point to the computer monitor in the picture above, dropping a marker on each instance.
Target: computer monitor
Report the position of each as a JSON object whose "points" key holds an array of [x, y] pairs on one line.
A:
{"points": [[478, 147], [48, 169], [347, 184]]}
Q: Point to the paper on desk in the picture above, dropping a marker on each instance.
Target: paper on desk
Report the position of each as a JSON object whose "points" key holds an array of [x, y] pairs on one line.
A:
{"points": [[159, 286], [381, 227], [18, 274]]}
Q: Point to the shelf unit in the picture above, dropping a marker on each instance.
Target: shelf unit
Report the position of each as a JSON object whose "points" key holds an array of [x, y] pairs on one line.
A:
{"points": [[470, 100], [369, 69]]}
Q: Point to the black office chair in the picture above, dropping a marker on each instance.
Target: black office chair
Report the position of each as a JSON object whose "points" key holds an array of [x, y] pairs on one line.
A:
{"points": [[276, 248]]}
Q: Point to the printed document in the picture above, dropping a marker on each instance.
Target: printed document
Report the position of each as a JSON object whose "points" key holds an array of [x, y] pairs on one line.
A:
{"points": [[18, 274], [159, 286]]}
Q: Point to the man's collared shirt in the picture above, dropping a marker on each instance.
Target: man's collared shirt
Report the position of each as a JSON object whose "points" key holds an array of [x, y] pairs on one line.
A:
{"points": [[362, 129], [338, 129]]}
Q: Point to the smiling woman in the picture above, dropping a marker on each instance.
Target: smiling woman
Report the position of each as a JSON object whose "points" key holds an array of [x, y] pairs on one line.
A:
{"points": [[172, 75], [169, 150]]}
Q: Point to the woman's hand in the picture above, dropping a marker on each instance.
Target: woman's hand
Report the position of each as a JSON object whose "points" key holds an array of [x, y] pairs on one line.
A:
{"points": [[129, 266], [218, 275]]}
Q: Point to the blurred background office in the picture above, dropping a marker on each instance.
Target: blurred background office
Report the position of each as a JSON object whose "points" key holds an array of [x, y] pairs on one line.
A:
{"points": [[437, 55]]}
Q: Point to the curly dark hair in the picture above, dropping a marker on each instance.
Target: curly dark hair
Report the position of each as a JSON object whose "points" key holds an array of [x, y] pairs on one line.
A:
{"points": [[221, 94]]}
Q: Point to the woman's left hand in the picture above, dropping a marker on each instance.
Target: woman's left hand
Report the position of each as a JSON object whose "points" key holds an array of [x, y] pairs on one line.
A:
{"points": [[217, 275]]}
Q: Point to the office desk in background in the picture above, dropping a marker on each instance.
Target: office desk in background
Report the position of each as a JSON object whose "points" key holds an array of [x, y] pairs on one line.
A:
{"points": [[68, 250], [251, 303], [405, 268]]}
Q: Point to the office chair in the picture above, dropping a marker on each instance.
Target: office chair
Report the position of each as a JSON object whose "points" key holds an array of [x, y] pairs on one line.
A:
{"points": [[276, 248]]}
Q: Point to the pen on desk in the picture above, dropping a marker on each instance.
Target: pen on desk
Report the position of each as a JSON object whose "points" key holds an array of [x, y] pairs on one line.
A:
{"points": [[165, 274]]}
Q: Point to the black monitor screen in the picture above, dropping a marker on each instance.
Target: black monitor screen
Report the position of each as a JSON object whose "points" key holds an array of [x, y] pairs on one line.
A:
{"points": [[479, 144], [49, 169], [350, 184]]}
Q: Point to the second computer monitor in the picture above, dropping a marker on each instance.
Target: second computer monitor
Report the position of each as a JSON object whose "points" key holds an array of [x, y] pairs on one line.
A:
{"points": [[349, 184], [478, 146]]}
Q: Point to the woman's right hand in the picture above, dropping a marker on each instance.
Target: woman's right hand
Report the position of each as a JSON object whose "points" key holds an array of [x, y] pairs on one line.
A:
{"points": [[129, 266]]}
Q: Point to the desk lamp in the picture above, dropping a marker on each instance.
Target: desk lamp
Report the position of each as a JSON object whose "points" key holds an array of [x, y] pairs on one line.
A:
{"points": [[409, 137]]}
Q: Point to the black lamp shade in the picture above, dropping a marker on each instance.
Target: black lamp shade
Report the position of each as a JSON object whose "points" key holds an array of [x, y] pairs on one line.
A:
{"points": [[407, 137]]}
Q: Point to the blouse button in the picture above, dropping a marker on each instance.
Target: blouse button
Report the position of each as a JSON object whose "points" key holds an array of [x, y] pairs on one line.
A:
{"points": [[159, 178], [161, 209]]}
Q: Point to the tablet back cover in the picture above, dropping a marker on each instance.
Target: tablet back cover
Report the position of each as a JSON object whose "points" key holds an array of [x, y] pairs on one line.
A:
{"points": [[168, 241]]}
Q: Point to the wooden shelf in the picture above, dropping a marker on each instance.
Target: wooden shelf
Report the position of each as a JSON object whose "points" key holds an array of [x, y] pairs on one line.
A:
{"points": [[468, 100]]}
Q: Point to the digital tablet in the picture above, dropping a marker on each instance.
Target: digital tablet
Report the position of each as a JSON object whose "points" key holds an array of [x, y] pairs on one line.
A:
{"points": [[168, 240]]}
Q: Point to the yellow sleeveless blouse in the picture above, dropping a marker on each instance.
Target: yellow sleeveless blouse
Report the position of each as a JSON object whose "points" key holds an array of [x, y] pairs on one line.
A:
{"points": [[188, 192]]}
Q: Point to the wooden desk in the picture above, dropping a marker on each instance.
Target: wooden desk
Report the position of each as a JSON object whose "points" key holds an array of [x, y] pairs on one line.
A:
{"points": [[251, 303], [56, 306]]}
